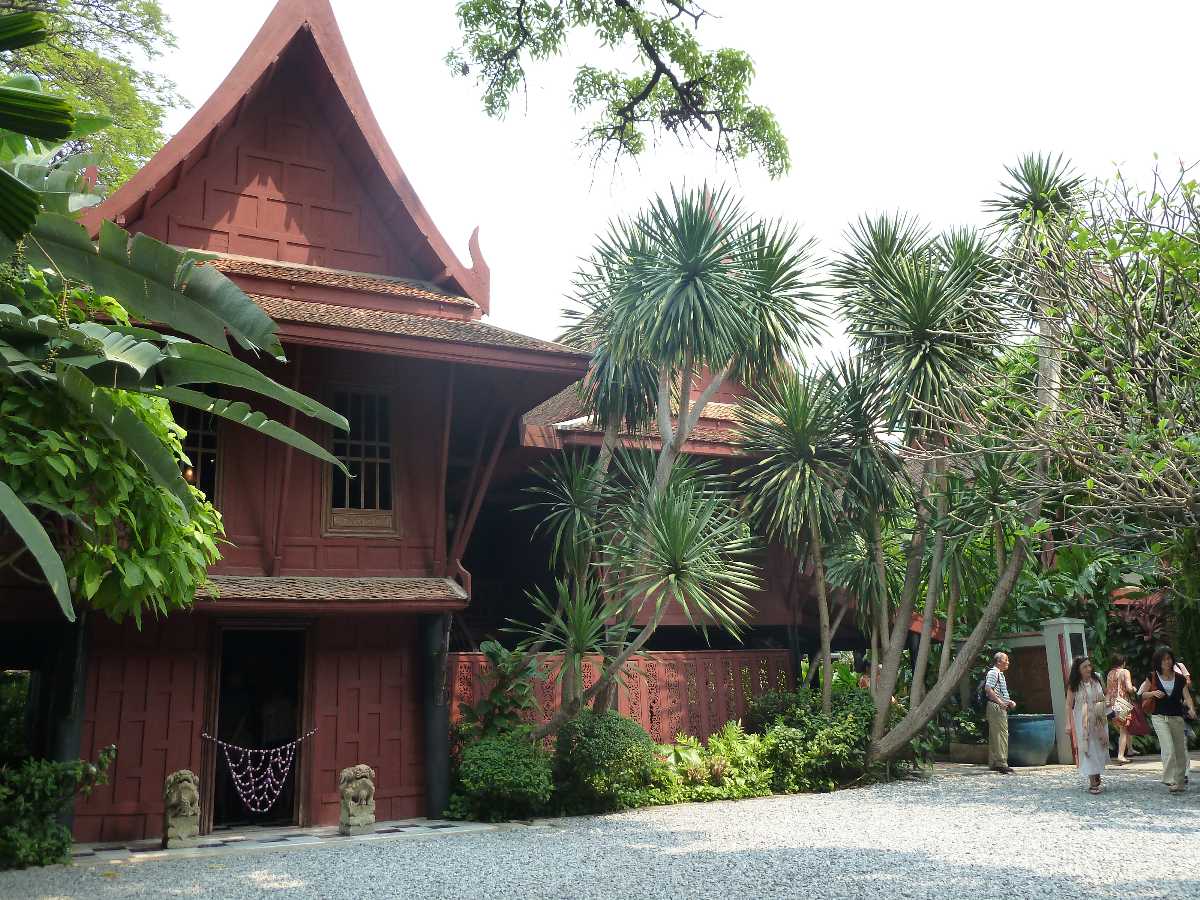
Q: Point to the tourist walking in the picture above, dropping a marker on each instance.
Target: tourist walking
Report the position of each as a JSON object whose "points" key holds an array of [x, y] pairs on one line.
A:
{"points": [[995, 688], [1167, 700], [1119, 692], [1087, 721]]}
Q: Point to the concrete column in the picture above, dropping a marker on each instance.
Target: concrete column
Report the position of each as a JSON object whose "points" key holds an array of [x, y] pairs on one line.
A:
{"points": [[434, 646], [1064, 639]]}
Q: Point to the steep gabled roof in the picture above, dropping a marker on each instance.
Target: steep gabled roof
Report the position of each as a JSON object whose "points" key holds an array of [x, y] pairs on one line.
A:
{"points": [[289, 22]]}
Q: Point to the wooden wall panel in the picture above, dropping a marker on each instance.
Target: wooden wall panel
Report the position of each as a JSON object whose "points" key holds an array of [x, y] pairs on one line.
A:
{"points": [[667, 692], [366, 706], [278, 185], [250, 470], [145, 693]]}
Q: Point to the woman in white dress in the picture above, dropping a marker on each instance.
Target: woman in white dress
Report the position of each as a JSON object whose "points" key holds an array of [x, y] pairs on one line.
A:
{"points": [[1088, 720]]}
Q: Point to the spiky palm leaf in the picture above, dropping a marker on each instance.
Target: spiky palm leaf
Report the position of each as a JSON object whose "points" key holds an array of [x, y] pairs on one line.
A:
{"points": [[793, 433]]}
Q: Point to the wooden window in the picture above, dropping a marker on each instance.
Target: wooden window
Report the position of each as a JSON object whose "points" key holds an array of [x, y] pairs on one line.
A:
{"points": [[200, 447], [363, 502]]}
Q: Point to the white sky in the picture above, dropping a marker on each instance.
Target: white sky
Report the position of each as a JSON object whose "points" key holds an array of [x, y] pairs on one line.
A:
{"points": [[911, 105]]}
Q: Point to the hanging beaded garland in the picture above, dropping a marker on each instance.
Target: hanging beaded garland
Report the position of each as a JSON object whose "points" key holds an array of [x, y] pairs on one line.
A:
{"points": [[259, 775]]}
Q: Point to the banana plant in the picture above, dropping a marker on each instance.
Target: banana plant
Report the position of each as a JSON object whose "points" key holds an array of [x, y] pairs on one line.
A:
{"points": [[167, 291]]}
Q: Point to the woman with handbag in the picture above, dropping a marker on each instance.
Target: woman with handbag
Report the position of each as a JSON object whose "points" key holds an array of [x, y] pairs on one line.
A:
{"points": [[1118, 691], [1166, 698], [1088, 721]]}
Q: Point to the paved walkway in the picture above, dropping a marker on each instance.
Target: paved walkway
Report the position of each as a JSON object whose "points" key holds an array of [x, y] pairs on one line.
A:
{"points": [[962, 833]]}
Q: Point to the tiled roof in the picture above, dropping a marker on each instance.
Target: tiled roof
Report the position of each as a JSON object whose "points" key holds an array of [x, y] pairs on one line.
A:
{"points": [[238, 587], [338, 278], [382, 322], [567, 407]]}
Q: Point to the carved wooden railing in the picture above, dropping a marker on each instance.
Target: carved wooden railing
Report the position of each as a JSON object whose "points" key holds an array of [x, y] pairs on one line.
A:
{"points": [[668, 692]]}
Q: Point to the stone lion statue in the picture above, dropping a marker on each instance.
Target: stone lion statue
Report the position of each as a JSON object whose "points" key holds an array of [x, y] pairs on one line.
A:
{"points": [[181, 808], [357, 785]]}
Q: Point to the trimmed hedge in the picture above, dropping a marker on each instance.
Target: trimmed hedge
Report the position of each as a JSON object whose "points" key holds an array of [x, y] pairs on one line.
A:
{"points": [[501, 777]]}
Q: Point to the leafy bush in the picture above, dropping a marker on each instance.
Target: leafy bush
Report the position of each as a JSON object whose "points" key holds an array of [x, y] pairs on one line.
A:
{"points": [[605, 762], [32, 796], [510, 694], [502, 776], [14, 692], [774, 706], [809, 751], [737, 766]]}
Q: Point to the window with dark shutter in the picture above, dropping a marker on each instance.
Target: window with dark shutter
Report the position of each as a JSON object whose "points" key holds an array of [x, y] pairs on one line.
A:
{"points": [[200, 447], [362, 502]]}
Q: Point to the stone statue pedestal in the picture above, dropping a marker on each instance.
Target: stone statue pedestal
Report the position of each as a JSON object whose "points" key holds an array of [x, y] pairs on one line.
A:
{"points": [[181, 810], [357, 786]]}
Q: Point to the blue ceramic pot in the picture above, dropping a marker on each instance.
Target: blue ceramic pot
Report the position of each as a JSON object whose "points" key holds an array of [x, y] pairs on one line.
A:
{"points": [[1030, 739]]}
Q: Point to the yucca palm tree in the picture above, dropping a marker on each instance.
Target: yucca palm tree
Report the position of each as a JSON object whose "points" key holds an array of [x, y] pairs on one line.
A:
{"points": [[682, 546], [693, 283], [927, 314], [794, 434], [875, 487], [1035, 212]]}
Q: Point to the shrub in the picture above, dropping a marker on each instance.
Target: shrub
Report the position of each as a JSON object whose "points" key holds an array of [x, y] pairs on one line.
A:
{"points": [[821, 753], [775, 706], [737, 765], [605, 762], [32, 796], [503, 776]]}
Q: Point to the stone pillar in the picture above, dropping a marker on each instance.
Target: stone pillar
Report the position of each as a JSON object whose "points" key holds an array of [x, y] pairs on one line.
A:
{"points": [[1063, 640], [438, 692]]}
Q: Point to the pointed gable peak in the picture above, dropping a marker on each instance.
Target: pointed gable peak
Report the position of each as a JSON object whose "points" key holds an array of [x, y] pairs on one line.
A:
{"points": [[302, 35]]}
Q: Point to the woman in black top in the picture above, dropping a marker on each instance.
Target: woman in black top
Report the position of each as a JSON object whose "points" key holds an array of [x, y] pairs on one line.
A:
{"points": [[1172, 702]]}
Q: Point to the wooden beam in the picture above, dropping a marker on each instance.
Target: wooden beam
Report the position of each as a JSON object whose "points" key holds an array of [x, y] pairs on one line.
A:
{"points": [[276, 560], [439, 541], [469, 489], [464, 535]]}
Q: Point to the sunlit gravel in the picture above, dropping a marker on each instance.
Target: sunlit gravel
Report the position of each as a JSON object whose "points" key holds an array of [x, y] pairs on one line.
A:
{"points": [[1031, 835]]}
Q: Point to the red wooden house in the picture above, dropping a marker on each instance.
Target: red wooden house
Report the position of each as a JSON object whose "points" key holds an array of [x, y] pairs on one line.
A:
{"points": [[328, 609]]}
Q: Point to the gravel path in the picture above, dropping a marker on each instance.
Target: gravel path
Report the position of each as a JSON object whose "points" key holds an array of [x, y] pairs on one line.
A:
{"points": [[954, 835]]}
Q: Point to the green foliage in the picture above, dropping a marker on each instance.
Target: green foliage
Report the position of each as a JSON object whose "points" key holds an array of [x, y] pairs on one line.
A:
{"points": [[737, 766], [14, 695], [32, 796], [774, 707], [677, 88], [502, 776], [126, 544], [509, 696], [603, 762], [96, 58]]}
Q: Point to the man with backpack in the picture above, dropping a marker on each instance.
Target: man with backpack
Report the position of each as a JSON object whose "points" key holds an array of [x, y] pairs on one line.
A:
{"points": [[995, 689]]}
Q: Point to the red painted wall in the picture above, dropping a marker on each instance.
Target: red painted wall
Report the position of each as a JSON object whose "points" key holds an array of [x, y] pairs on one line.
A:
{"points": [[145, 693], [667, 692], [277, 185], [250, 472], [367, 708]]}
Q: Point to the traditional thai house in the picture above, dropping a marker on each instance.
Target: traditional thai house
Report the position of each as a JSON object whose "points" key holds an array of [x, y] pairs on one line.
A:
{"points": [[329, 614]]}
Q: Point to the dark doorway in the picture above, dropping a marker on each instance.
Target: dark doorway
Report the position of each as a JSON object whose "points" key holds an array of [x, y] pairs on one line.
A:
{"points": [[259, 708]]}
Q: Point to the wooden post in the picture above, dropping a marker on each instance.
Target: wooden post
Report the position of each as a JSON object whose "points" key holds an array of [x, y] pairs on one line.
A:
{"points": [[439, 543], [460, 543], [435, 659], [285, 480]]}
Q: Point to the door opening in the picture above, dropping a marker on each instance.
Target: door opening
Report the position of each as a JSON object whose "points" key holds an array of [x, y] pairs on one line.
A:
{"points": [[259, 707]]}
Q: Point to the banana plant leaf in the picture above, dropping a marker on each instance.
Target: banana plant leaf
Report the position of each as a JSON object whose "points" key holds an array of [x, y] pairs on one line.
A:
{"points": [[197, 364], [241, 413], [127, 428], [19, 207], [38, 542], [35, 114], [155, 282], [22, 29]]}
